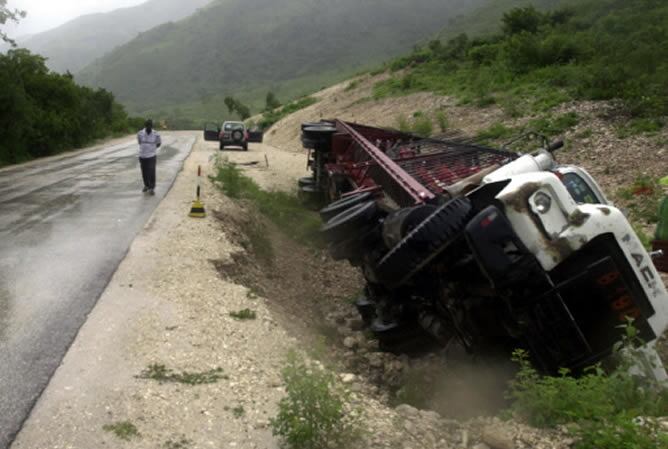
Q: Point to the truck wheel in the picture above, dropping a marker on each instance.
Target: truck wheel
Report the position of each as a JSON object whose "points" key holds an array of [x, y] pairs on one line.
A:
{"points": [[344, 203], [429, 239], [308, 181], [347, 249], [311, 196], [350, 222], [245, 147], [222, 147]]}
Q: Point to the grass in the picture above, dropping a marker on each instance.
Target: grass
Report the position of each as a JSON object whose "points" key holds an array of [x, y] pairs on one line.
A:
{"points": [[162, 374], [442, 120], [182, 443], [238, 411], [642, 199], [641, 126], [124, 430], [590, 50], [315, 413], [269, 118], [244, 315], [495, 133], [420, 124], [600, 409], [285, 210]]}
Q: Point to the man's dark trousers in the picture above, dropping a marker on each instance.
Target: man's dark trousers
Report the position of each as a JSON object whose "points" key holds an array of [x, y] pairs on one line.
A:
{"points": [[148, 171]]}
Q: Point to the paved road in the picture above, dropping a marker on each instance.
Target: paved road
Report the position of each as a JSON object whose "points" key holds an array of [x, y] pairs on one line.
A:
{"points": [[65, 225]]}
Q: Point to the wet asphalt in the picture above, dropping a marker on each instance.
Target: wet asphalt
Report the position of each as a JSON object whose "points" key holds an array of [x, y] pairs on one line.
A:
{"points": [[65, 226]]}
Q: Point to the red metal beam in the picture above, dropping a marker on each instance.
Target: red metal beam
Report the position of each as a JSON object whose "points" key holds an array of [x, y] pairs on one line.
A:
{"points": [[417, 191]]}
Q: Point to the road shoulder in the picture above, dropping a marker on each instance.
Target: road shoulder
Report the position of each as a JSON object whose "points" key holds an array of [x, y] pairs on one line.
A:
{"points": [[167, 306]]}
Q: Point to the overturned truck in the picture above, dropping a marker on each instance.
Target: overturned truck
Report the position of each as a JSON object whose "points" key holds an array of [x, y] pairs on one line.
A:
{"points": [[488, 248]]}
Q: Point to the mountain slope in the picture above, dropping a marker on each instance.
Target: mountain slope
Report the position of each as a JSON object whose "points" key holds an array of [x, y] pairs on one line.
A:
{"points": [[487, 18], [79, 42], [249, 46]]}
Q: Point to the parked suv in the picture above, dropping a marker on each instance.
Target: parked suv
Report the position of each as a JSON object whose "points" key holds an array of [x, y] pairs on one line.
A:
{"points": [[233, 134]]}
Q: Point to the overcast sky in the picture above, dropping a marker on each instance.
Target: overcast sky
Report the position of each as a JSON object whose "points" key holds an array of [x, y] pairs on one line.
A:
{"points": [[47, 14]]}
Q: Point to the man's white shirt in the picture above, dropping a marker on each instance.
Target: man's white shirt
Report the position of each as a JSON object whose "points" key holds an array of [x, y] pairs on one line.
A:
{"points": [[148, 143]]}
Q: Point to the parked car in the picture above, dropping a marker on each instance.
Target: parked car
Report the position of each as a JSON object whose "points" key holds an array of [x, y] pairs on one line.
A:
{"points": [[232, 134]]}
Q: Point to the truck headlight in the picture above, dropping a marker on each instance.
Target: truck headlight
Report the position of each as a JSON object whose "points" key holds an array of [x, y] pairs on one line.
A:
{"points": [[542, 203]]}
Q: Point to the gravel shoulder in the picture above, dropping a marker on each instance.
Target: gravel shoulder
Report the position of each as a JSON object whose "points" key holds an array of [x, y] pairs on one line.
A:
{"points": [[167, 305]]}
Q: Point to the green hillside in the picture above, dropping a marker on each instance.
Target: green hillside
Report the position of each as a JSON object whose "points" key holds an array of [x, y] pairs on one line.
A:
{"points": [[486, 19], [247, 47], [595, 50], [79, 42]]}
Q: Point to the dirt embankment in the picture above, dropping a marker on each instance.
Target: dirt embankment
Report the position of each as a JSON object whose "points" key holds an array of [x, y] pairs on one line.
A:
{"points": [[594, 142]]}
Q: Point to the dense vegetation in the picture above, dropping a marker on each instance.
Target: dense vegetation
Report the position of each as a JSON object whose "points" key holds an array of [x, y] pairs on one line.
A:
{"points": [[243, 48], [79, 42], [616, 410], [43, 113], [598, 49], [271, 116]]}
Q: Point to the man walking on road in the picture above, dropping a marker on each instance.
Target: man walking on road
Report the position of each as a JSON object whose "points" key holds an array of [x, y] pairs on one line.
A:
{"points": [[149, 142]]}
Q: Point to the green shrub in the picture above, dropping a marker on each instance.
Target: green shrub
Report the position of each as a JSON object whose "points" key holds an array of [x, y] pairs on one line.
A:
{"points": [[162, 374], [244, 315], [554, 126], [285, 210], [402, 124], [598, 49], [442, 120], [124, 430], [269, 118], [496, 132], [638, 126], [44, 113], [422, 126], [314, 414], [602, 406]]}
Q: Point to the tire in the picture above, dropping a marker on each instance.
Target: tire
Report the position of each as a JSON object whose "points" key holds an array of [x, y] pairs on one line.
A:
{"points": [[318, 137], [351, 222], [344, 203], [237, 135], [311, 196], [308, 181], [245, 147], [309, 144], [345, 250], [222, 147], [429, 239]]}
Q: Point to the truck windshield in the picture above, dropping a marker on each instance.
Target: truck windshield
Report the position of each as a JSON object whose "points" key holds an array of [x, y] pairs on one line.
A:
{"points": [[579, 190]]}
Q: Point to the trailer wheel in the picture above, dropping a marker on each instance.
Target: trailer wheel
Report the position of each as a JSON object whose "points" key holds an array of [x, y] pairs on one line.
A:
{"points": [[311, 196], [347, 249], [339, 206], [429, 239], [351, 222], [308, 181]]}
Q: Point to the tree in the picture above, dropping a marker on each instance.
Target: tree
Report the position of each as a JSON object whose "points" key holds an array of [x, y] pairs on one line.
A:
{"points": [[272, 102], [520, 20], [9, 15], [231, 104], [234, 105]]}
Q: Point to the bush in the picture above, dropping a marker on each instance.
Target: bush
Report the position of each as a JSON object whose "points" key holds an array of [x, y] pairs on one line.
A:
{"points": [[422, 126], [602, 406], [269, 118], [599, 50], [283, 209], [43, 113], [314, 414]]}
